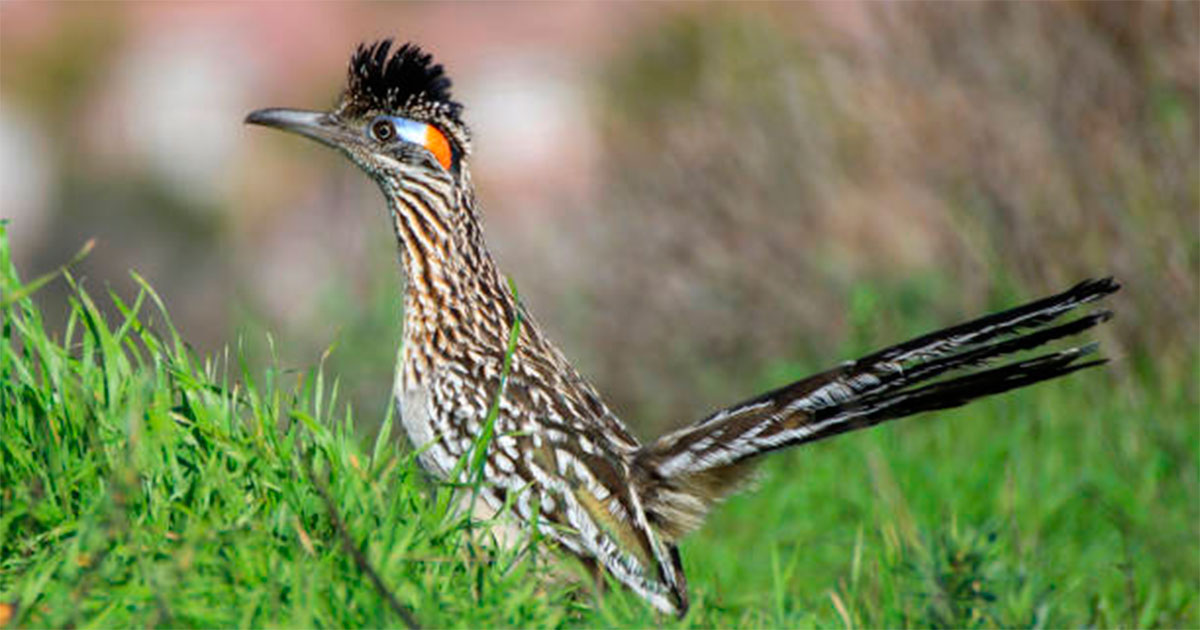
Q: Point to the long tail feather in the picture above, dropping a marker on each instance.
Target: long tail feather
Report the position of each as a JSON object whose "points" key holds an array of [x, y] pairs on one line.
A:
{"points": [[872, 410], [690, 468]]}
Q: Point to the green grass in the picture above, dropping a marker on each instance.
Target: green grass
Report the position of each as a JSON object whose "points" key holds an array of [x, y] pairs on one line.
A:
{"points": [[143, 485]]}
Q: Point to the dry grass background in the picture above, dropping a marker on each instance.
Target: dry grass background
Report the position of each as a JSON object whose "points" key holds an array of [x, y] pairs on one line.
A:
{"points": [[762, 170], [779, 189]]}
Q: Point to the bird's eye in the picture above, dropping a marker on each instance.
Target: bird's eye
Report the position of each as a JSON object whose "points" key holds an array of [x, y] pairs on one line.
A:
{"points": [[383, 130], [387, 129]]}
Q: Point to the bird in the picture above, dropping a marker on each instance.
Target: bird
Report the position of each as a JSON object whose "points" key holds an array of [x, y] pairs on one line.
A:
{"points": [[474, 361]]}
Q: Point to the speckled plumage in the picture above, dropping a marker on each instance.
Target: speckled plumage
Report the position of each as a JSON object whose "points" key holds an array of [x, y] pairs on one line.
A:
{"points": [[559, 455]]}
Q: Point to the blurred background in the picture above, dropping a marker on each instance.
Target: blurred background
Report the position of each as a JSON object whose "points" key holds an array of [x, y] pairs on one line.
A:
{"points": [[696, 200]]}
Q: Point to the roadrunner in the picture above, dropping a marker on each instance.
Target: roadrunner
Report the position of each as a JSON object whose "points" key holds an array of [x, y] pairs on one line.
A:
{"points": [[560, 456]]}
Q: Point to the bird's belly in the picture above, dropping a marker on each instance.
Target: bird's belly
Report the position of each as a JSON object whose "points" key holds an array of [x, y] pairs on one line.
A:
{"points": [[414, 407]]}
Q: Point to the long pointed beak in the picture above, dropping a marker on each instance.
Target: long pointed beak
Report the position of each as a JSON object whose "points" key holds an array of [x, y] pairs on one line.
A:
{"points": [[319, 126]]}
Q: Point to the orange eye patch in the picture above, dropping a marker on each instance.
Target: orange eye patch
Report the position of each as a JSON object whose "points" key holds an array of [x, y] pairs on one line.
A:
{"points": [[420, 133], [438, 145]]}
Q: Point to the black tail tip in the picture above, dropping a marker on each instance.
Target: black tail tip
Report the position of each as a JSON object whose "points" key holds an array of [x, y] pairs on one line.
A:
{"points": [[1097, 286]]}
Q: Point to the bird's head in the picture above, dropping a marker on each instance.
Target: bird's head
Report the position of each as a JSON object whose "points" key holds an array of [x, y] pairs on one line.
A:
{"points": [[395, 119]]}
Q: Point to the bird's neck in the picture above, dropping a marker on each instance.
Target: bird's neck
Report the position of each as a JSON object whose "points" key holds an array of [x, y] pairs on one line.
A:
{"points": [[455, 295]]}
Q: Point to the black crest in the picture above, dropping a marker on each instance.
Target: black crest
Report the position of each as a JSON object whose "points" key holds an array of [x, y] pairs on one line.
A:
{"points": [[409, 81]]}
